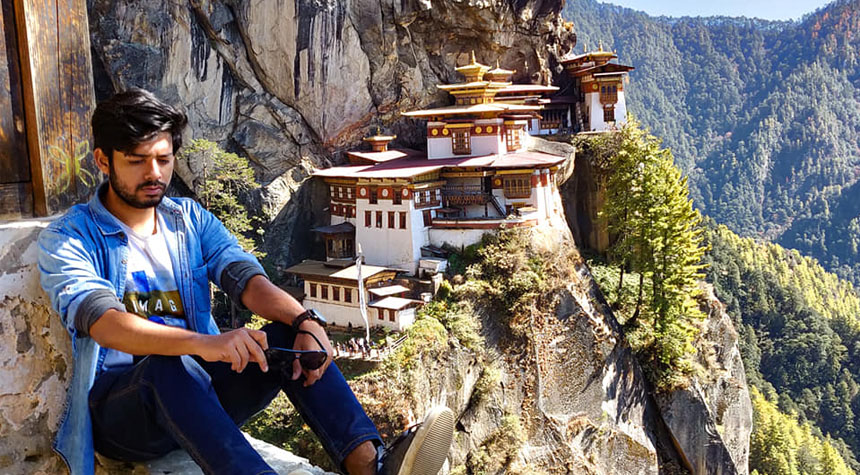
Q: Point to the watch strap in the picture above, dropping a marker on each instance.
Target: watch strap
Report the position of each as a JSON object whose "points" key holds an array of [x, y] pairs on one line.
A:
{"points": [[308, 314]]}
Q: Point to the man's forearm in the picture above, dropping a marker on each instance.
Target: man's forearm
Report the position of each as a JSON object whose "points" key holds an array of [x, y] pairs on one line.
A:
{"points": [[132, 334], [129, 333], [266, 299]]}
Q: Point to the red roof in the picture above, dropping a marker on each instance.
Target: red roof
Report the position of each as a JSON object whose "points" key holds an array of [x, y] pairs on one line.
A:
{"points": [[603, 68], [418, 165], [526, 88], [360, 157]]}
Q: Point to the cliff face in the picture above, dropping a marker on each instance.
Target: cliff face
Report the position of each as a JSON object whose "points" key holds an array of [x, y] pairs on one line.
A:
{"points": [[290, 83]]}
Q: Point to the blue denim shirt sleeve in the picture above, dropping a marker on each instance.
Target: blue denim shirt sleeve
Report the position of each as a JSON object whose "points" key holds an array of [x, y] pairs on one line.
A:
{"points": [[68, 275], [221, 250]]}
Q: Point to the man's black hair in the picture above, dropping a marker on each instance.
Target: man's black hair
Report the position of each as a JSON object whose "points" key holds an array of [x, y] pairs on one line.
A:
{"points": [[132, 117]]}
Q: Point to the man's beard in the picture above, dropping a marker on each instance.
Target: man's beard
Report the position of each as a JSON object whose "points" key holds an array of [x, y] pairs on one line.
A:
{"points": [[129, 196]]}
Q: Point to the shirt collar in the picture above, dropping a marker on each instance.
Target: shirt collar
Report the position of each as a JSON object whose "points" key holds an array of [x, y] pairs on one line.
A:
{"points": [[109, 224]]}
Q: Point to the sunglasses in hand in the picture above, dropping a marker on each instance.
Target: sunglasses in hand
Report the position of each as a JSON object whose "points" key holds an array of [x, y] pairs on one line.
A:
{"points": [[282, 358]]}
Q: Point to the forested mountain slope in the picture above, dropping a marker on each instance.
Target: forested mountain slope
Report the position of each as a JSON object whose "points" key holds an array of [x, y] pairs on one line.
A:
{"points": [[762, 115], [799, 332]]}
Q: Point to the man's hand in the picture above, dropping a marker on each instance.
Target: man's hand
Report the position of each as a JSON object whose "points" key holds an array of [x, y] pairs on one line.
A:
{"points": [[307, 342], [237, 347]]}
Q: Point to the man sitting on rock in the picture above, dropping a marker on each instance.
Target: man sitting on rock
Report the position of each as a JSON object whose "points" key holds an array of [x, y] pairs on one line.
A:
{"points": [[129, 274]]}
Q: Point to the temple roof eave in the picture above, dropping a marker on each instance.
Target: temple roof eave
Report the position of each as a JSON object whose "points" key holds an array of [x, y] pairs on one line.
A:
{"points": [[476, 109]]}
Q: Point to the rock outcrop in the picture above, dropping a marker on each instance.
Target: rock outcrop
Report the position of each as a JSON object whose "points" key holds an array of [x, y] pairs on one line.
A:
{"points": [[179, 463], [711, 420]]}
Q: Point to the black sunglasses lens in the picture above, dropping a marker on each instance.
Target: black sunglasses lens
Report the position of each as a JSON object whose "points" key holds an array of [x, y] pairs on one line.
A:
{"points": [[312, 361]]}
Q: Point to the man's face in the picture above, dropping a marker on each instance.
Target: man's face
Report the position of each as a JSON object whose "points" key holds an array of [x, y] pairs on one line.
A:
{"points": [[140, 177]]}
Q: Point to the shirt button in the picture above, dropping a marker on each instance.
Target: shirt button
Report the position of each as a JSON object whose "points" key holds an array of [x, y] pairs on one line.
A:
{"points": [[125, 261]]}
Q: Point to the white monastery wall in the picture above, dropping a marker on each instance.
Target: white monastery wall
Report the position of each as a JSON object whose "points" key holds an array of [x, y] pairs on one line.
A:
{"points": [[386, 246], [621, 110], [441, 147], [403, 319], [456, 237], [595, 108], [487, 145], [337, 313]]}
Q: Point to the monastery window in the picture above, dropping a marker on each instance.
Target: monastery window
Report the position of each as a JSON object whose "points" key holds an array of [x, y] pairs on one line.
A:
{"points": [[324, 294], [391, 315], [428, 220], [391, 220], [349, 192], [402, 220], [379, 219], [519, 186], [335, 293], [373, 193], [367, 219], [313, 290], [398, 197], [461, 142], [347, 295], [608, 94], [551, 118], [340, 192], [512, 137], [609, 114]]}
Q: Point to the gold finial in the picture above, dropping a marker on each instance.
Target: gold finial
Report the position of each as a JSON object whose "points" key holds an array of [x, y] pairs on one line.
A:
{"points": [[473, 57], [601, 45], [378, 131], [585, 47], [497, 64]]}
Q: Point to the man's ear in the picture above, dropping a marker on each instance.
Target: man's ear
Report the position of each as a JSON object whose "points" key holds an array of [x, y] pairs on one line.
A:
{"points": [[102, 161]]}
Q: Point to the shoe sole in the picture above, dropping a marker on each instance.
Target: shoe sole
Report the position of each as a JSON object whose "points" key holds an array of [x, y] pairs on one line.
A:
{"points": [[429, 448]]}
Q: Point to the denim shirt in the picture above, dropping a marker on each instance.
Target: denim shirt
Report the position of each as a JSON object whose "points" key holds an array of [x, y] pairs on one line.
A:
{"points": [[82, 257]]}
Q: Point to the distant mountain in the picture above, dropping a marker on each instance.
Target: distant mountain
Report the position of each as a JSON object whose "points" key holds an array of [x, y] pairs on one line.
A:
{"points": [[764, 116]]}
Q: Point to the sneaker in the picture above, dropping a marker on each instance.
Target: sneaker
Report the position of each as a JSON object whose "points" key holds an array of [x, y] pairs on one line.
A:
{"points": [[423, 448]]}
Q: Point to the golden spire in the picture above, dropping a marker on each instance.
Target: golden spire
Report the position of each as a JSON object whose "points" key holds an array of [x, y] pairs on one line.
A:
{"points": [[473, 58], [601, 45]]}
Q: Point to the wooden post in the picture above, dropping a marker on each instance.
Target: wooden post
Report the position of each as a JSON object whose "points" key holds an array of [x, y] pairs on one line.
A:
{"points": [[53, 40]]}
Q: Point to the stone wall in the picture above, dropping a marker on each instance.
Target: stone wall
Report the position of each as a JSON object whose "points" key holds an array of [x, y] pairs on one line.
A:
{"points": [[35, 357]]}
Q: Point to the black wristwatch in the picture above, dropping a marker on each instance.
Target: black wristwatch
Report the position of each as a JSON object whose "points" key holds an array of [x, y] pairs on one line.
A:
{"points": [[309, 314]]}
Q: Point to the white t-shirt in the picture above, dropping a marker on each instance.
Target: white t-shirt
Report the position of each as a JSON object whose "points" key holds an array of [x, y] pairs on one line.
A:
{"points": [[150, 288]]}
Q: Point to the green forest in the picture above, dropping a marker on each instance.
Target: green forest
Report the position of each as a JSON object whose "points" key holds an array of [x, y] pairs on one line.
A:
{"points": [[762, 116], [799, 334], [798, 325]]}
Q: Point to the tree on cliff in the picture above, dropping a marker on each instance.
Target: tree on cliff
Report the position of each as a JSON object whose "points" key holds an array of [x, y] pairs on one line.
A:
{"points": [[221, 178], [658, 236]]}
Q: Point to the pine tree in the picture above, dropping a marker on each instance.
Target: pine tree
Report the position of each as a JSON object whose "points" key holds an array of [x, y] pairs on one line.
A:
{"points": [[656, 234], [223, 177]]}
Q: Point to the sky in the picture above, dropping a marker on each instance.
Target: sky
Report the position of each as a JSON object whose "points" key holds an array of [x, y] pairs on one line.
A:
{"points": [[767, 9]]}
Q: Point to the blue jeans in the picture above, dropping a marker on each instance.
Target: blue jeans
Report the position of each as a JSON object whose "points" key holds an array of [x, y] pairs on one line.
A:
{"points": [[166, 402]]}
